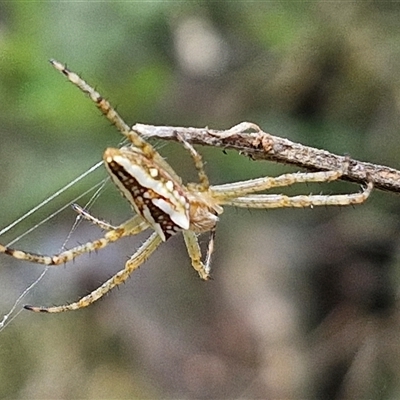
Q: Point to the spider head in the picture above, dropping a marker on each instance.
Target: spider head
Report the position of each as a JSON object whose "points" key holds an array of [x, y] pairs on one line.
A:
{"points": [[203, 211]]}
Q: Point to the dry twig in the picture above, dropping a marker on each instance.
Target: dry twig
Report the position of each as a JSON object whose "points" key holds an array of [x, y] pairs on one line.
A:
{"points": [[249, 139]]}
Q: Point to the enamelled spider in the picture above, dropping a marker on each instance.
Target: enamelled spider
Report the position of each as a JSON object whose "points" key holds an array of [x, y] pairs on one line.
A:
{"points": [[163, 203]]}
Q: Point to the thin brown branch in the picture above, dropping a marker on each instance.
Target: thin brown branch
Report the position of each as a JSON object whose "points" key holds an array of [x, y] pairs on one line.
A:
{"points": [[250, 140]]}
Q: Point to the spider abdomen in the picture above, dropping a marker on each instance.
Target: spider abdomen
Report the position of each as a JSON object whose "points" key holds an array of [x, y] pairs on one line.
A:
{"points": [[151, 191]]}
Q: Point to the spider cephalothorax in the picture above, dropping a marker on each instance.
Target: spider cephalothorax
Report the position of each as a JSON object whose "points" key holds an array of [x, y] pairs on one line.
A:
{"points": [[163, 203]]}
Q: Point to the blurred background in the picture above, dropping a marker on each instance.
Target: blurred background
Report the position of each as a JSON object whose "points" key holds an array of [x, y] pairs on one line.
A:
{"points": [[304, 303]]}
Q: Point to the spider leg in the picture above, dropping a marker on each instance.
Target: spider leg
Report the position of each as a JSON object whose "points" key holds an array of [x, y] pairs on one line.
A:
{"points": [[198, 162], [86, 215], [210, 251], [194, 252], [131, 227], [237, 189], [111, 114], [131, 265], [106, 108], [282, 201]]}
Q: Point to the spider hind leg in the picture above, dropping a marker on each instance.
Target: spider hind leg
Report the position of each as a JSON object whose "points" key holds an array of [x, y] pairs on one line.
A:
{"points": [[131, 265]]}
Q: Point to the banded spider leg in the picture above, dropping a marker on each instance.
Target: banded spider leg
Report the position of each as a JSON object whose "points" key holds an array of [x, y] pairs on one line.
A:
{"points": [[161, 201]]}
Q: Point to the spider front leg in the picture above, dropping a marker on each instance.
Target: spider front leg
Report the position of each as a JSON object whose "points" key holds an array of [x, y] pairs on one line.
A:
{"points": [[132, 264], [105, 107], [111, 114]]}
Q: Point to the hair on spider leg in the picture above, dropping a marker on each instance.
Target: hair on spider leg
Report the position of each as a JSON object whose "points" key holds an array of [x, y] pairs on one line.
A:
{"points": [[164, 204]]}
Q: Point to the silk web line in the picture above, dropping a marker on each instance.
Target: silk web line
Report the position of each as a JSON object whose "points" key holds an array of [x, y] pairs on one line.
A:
{"points": [[98, 187]]}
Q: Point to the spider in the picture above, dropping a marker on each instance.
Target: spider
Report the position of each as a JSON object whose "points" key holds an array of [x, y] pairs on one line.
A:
{"points": [[161, 201]]}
